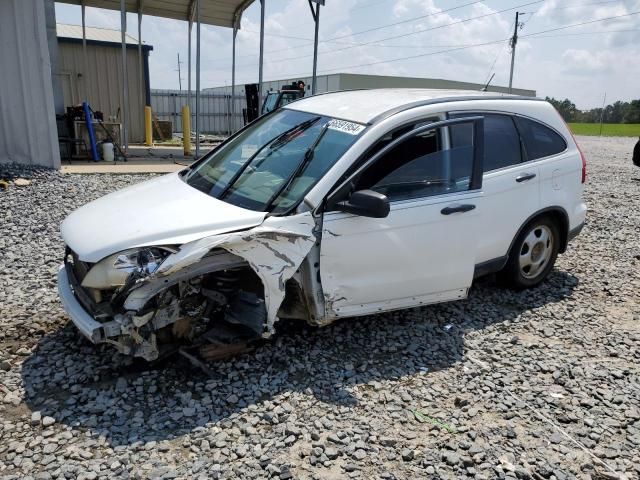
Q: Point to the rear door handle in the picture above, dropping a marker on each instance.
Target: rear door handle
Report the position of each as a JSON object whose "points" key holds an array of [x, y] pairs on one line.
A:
{"points": [[457, 209], [524, 177]]}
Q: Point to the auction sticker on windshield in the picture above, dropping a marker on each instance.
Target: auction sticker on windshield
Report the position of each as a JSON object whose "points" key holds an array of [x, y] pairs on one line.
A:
{"points": [[248, 151], [346, 127]]}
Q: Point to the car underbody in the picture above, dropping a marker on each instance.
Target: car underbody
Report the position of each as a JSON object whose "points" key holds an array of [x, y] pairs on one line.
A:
{"points": [[243, 280]]}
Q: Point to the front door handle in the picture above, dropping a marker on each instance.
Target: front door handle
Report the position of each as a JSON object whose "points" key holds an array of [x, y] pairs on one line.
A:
{"points": [[457, 209], [524, 177]]}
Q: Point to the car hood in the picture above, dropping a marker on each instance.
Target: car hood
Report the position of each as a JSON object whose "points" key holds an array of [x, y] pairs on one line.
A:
{"points": [[160, 211]]}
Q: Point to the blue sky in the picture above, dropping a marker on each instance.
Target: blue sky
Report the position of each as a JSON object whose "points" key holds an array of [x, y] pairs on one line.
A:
{"points": [[581, 63]]}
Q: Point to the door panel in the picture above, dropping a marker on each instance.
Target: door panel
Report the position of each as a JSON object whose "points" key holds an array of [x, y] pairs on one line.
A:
{"points": [[424, 250], [508, 203], [417, 255]]}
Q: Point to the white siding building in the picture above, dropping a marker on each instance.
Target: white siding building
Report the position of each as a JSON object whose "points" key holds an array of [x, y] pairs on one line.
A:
{"points": [[351, 81]]}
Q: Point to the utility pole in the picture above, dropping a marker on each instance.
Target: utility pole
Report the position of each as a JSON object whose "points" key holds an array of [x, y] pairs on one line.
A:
{"points": [[179, 73], [514, 42], [604, 101]]}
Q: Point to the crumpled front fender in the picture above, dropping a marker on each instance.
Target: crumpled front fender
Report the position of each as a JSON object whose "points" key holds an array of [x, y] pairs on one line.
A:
{"points": [[274, 250]]}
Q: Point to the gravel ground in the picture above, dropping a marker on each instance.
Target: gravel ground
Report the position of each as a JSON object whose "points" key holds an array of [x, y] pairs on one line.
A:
{"points": [[536, 384]]}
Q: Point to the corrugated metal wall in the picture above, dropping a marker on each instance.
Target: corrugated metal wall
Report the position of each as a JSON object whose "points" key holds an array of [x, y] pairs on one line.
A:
{"points": [[326, 83], [28, 131], [167, 104], [215, 110], [349, 81], [101, 84]]}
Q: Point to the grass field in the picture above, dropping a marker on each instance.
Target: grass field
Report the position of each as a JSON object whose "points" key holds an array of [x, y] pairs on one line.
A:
{"points": [[608, 129]]}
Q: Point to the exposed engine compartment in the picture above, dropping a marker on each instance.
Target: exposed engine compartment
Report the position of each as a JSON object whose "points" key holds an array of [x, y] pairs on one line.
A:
{"points": [[145, 301]]}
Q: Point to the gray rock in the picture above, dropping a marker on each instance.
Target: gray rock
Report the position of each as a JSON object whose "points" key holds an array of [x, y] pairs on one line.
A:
{"points": [[36, 417], [48, 421], [331, 453]]}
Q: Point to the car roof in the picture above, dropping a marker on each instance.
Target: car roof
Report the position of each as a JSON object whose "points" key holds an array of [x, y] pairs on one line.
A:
{"points": [[368, 106]]}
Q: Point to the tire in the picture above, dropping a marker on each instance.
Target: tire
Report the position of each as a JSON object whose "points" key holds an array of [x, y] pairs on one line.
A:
{"points": [[533, 254]]}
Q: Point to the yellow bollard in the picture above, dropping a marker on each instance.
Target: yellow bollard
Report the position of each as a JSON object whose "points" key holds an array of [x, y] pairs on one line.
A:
{"points": [[148, 131], [186, 130]]}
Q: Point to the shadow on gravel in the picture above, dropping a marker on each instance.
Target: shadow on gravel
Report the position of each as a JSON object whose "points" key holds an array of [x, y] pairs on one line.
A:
{"points": [[93, 388]]}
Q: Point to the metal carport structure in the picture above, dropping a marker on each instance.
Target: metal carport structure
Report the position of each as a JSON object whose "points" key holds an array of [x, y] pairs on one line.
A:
{"points": [[223, 13]]}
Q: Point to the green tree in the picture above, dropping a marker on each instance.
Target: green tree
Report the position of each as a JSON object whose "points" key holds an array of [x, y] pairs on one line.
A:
{"points": [[632, 113], [566, 108]]}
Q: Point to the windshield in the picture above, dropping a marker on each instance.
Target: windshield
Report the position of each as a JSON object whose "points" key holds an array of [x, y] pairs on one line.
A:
{"points": [[270, 102], [271, 165]]}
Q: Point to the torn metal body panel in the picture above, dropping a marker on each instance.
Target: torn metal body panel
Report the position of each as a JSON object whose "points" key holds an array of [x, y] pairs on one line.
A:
{"points": [[274, 250], [196, 281]]}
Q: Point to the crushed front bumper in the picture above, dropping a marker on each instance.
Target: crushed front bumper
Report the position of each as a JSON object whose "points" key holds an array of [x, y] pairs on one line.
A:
{"points": [[89, 327], [118, 332]]}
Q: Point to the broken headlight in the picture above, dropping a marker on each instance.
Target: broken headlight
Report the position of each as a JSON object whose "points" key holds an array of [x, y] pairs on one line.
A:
{"points": [[145, 260], [113, 271]]}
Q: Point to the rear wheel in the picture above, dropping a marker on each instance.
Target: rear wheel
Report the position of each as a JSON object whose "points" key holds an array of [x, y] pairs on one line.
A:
{"points": [[533, 254]]}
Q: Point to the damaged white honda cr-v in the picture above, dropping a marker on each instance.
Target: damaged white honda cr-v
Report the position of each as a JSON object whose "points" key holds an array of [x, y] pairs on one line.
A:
{"points": [[338, 205]]}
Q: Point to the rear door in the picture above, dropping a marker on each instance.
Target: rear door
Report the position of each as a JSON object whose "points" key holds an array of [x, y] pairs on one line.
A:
{"points": [[510, 185], [560, 168]]}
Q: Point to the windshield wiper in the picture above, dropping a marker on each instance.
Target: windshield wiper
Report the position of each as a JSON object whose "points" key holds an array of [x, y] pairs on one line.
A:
{"points": [[280, 137], [306, 159], [290, 134]]}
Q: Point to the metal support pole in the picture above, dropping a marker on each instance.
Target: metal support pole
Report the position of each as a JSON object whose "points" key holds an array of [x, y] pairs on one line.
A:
{"points": [[85, 67], [124, 108], [233, 79], [189, 67], [316, 19], [262, 2], [514, 42], [140, 69], [197, 81]]}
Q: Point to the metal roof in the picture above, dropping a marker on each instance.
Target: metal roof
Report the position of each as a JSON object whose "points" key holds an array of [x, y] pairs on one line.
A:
{"points": [[93, 33], [223, 13]]}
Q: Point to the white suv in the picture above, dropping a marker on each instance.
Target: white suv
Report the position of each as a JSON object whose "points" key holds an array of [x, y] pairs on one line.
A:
{"points": [[337, 205]]}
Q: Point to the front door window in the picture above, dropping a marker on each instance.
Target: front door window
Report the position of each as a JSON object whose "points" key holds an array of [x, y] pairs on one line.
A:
{"points": [[422, 166]]}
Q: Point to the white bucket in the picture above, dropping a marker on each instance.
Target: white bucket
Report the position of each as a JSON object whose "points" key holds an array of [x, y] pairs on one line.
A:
{"points": [[107, 152]]}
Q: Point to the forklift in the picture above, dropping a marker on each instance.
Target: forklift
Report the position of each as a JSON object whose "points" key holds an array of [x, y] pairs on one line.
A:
{"points": [[273, 100]]}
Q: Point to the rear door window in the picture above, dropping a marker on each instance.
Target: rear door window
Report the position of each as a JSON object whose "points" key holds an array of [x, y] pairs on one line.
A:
{"points": [[501, 140], [539, 141]]}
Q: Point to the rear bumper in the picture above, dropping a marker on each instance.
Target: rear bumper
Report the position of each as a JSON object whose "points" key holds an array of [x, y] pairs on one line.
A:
{"points": [[89, 327], [574, 232]]}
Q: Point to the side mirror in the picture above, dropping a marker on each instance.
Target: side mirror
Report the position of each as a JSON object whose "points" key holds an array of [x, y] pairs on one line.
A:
{"points": [[366, 203]]}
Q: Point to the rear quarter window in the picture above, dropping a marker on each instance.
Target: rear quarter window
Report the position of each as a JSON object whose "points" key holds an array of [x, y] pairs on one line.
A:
{"points": [[539, 140]]}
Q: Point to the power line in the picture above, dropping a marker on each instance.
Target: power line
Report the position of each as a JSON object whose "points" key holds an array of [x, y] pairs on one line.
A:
{"points": [[411, 57], [415, 32], [583, 33], [488, 43], [582, 23], [579, 5], [375, 42], [332, 39], [380, 27], [495, 60], [411, 20], [496, 41], [405, 46]]}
